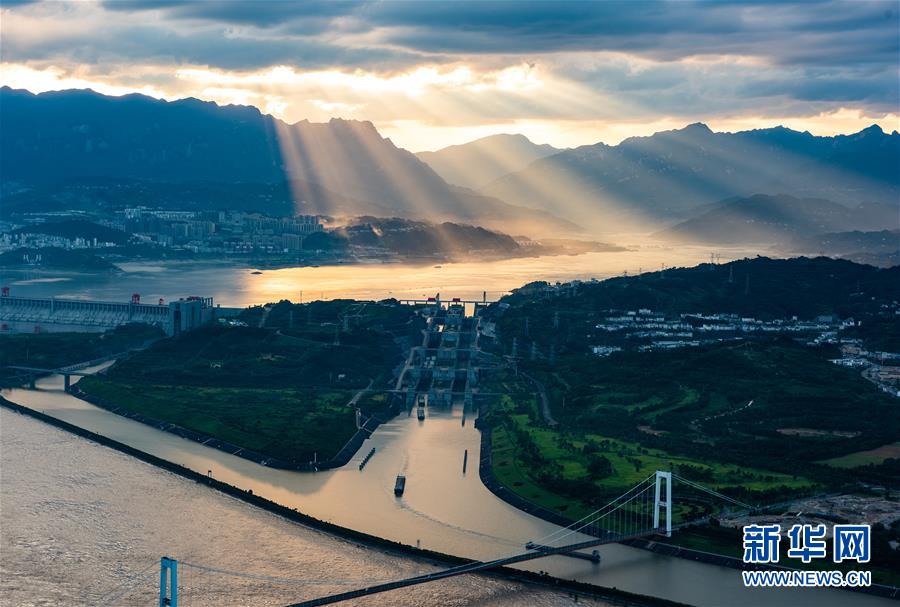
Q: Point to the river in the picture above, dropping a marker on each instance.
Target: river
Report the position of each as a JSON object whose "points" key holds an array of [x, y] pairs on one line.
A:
{"points": [[442, 508], [81, 519], [237, 286]]}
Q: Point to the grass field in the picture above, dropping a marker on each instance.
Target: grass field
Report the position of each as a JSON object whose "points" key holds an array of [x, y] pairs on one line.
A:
{"points": [[525, 452], [864, 458]]}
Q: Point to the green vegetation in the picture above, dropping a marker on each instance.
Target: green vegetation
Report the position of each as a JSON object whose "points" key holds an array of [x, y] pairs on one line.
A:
{"points": [[281, 388], [290, 424], [689, 410], [864, 458], [53, 350]]}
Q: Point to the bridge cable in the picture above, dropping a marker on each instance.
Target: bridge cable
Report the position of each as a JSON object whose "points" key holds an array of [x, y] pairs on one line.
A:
{"points": [[131, 589], [593, 515], [130, 578], [712, 492]]}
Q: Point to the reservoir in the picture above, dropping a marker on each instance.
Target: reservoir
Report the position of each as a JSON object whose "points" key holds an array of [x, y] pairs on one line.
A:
{"points": [[231, 285], [442, 508]]}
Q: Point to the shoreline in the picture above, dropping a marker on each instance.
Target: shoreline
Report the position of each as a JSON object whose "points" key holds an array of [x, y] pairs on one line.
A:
{"points": [[262, 263], [612, 595]]}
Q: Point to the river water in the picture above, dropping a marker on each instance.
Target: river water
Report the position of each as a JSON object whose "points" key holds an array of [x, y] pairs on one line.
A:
{"points": [[442, 508], [236, 286], [80, 519]]}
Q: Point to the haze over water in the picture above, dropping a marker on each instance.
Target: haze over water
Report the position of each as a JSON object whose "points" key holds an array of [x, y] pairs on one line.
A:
{"points": [[239, 286]]}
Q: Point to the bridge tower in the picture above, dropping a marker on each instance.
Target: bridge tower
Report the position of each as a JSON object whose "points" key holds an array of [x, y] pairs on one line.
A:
{"points": [[663, 503], [168, 582]]}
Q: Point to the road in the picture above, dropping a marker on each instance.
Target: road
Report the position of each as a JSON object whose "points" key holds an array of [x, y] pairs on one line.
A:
{"points": [[545, 401]]}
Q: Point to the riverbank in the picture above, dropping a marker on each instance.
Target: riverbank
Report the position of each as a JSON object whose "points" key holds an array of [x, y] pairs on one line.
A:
{"points": [[489, 479], [608, 594]]}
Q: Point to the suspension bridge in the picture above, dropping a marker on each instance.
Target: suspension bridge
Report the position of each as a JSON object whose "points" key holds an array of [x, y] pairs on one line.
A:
{"points": [[646, 510]]}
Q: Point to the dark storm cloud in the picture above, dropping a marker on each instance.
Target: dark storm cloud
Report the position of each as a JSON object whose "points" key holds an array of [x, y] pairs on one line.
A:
{"points": [[805, 32], [808, 52], [261, 13], [213, 44]]}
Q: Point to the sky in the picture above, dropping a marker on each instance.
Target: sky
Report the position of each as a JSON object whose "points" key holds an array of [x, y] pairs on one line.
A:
{"points": [[431, 74]]}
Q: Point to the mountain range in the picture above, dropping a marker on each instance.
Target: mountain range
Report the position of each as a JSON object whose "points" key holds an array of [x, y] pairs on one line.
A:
{"points": [[77, 148], [477, 163], [765, 219], [53, 137], [669, 176]]}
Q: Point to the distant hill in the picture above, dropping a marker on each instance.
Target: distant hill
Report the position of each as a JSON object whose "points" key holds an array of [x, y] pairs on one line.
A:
{"points": [[478, 163], [758, 287], [665, 177], [57, 259], [881, 248], [77, 228], [56, 136], [405, 237], [777, 219]]}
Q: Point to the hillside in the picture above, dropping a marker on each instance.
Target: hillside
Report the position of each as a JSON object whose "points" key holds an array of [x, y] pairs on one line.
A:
{"points": [[667, 176], [777, 219], [478, 163], [757, 414], [107, 194], [759, 287], [414, 238], [56, 136]]}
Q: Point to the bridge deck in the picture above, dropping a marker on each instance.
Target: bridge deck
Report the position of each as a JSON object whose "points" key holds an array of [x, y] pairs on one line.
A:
{"points": [[472, 567]]}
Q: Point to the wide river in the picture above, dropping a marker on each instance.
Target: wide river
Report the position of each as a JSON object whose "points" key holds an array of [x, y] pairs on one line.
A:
{"points": [[230, 285], [443, 509], [86, 525]]}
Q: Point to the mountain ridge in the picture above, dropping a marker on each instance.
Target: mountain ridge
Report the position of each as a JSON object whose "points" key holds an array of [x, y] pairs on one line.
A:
{"points": [[665, 177], [477, 163], [51, 137]]}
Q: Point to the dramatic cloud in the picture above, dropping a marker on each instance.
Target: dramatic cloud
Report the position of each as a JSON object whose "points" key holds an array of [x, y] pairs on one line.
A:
{"points": [[431, 73]]}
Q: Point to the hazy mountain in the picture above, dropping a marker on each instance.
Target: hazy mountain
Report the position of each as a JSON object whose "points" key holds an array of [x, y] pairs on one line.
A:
{"points": [[670, 174], [477, 163], [778, 219], [880, 248], [74, 134]]}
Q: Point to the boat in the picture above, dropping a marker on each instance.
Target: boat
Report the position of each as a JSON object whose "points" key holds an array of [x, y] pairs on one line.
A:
{"points": [[400, 485], [256, 272]]}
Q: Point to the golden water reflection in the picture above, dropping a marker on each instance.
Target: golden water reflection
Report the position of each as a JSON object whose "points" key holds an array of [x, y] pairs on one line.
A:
{"points": [[467, 280]]}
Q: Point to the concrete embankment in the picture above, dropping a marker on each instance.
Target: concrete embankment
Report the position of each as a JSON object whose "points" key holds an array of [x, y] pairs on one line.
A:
{"points": [[608, 594]]}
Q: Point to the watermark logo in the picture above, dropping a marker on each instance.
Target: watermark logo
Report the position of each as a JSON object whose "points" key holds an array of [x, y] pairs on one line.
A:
{"points": [[807, 543], [852, 543], [761, 543]]}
